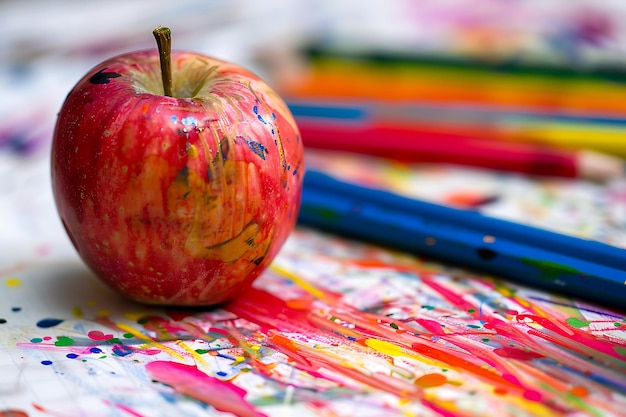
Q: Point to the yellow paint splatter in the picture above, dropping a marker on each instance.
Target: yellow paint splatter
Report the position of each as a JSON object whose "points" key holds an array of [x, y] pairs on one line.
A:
{"points": [[13, 282], [394, 350], [149, 341], [299, 281], [192, 151], [191, 352], [77, 312]]}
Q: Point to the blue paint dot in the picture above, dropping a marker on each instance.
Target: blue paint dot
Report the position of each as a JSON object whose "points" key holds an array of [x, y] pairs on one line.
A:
{"points": [[174, 119], [46, 323], [272, 131], [295, 171], [16, 309], [95, 350], [255, 109], [274, 116], [221, 373], [71, 356], [189, 120], [46, 363], [261, 119]]}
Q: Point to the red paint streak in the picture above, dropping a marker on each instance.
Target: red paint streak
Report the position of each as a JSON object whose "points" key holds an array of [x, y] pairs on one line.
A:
{"points": [[124, 408], [572, 338], [50, 412], [189, 380], [451, 296], [13, 413], [431, 325], [514, 353]]}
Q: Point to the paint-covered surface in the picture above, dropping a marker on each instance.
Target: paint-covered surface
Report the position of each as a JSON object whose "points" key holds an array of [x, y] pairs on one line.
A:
{"points": [[332, 328]]}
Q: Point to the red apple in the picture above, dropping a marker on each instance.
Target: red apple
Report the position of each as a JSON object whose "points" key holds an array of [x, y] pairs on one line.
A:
{"points": [[181, 198]]}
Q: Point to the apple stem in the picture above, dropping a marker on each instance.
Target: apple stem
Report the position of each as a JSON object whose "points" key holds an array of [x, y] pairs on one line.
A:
{"points": [[163, 38]]}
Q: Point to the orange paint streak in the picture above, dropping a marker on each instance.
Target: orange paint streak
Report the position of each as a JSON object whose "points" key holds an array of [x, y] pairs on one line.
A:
{"points": [[457, 360]]}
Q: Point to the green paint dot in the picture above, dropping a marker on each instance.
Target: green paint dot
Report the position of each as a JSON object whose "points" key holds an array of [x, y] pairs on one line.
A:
{"points": [[128, 335], [103, 357], [444, 370], [616, 324], [471, 310], [36, 340], [142, 320], [486, 339], [64, 341], [577, 323], [473, 326], [114, 341], [201, 351], [333, 318], [620, 350], [394, 325], [428, 307]]}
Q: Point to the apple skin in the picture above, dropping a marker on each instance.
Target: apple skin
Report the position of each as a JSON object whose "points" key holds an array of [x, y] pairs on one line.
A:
{"points": [[179, 200]]}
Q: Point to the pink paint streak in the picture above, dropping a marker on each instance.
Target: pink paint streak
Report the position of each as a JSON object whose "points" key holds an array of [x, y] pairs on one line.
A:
{"points": [[189, 380]]}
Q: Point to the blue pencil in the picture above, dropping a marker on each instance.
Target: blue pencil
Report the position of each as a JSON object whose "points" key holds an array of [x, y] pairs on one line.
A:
{"points": [[529, 255]]}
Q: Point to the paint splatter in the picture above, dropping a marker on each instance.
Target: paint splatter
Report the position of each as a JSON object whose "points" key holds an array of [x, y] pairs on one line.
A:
{"points": [[103, 77], [13, 413], [64, 341], [257, 148], [13, 282], [577, 323], [188, 380], [362, 325], [47, 323]]}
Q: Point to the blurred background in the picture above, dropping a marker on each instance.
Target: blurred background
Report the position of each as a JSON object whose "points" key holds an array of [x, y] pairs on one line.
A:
{"points": [[517, 52]]}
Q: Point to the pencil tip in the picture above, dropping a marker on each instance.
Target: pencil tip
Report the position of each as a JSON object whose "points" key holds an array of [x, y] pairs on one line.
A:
{"points": [[600, 167]]}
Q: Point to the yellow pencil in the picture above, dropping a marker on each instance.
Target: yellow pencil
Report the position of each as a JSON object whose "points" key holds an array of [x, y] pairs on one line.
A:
{"points": [[609, 140]]}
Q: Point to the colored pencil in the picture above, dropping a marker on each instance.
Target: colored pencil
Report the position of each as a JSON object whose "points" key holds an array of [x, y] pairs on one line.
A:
{"points": [[410, 144], [531, 256], [599, 71], [568, 108], [359, 80], [587, 130], [349, 129]]}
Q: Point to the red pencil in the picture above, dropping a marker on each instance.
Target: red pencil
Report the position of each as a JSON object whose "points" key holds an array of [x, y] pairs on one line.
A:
{"points": [[412, 144]]}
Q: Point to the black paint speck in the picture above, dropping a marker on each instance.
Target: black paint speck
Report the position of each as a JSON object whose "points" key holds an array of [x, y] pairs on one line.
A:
{"points": [[102, 77], [3, 321], [16, 309], [486, 254]]}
